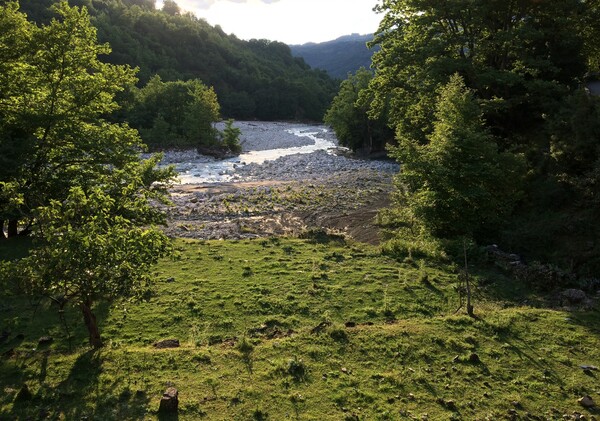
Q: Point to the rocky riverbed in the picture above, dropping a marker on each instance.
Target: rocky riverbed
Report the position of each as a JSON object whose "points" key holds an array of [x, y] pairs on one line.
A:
{"points": [[288, 195]]}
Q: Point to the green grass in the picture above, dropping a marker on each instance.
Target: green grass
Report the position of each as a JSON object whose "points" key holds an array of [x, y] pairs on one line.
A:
{"points": [[262, 325]]}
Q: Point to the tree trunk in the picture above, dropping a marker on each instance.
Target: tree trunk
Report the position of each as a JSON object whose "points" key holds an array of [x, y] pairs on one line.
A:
{"points": [[13, 228], [468, 282], [90, 322], [2, 235]]}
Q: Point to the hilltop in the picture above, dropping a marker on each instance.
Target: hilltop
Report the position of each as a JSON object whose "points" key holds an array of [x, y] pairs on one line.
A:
{"points": [[339, 57]]}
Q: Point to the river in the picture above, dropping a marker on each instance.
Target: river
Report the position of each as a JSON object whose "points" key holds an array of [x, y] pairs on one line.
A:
{"points": [[261, 141]]}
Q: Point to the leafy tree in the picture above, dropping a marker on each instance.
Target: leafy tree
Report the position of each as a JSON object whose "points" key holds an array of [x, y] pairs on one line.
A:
{"points": [[458, 184], [524, 62], [16, 36], [175, 114], [231, 137], [519, 57], [77, 178], [96, 245], [348, 115], [200, 113], [171, 8], [53, 106]]}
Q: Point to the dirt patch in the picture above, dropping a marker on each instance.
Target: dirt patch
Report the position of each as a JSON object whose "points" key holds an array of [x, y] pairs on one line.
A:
{"points": [[342, 204], [359, 224]]}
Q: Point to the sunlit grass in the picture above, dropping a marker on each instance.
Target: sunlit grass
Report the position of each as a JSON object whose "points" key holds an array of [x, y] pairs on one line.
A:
{"points": [[280, 328]]}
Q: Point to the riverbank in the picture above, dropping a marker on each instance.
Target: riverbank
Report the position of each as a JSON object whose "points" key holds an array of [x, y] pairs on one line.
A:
{"points": [[252, 209], [278, 193]]}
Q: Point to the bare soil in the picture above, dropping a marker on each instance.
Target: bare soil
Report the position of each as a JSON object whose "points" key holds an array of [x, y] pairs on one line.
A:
{"points": [[339, 203]]}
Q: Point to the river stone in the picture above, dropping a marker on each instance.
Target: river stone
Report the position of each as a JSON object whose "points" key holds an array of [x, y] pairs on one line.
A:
{"points": [[169, 401], [167, 343], [574, 296], [586, 402], [45, 340], [474, 358]]}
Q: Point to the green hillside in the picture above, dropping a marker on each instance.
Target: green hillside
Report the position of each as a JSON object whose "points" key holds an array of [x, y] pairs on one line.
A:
{"points": [[253, 79], [339, 57], [295, 329]]}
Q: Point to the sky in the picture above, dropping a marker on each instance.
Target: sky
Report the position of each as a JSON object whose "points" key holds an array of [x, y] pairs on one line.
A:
{"points": [[288, 21]]}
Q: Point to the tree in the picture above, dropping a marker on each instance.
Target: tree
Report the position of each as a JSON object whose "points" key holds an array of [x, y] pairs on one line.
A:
{"points": [[524, 61], [519, 57], [231, 137], [16, 36], [175, 114], [96, 244], [171, 8], [52, 111], [457, 185], [348, 115], [82, 184]]}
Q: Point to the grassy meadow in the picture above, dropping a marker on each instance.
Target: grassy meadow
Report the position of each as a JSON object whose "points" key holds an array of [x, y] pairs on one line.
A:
{"points": [[275, 329]]}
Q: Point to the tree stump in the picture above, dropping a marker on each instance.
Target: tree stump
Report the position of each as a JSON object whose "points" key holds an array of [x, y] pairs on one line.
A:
{"points": [[169, 401]]}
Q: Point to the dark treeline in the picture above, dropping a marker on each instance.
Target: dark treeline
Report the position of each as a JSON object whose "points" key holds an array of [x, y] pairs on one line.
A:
{"points": [[497, 128], [492, 109], [252, 79]]}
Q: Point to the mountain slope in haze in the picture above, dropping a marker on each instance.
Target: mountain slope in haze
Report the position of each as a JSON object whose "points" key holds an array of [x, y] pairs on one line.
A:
{"points": [[339, 57], [257, 79]]}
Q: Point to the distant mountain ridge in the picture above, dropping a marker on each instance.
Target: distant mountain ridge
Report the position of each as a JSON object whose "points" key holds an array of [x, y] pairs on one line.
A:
{"points": [[339, 57]]}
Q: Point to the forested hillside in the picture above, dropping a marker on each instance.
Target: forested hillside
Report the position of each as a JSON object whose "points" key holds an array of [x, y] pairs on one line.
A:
{"points": [[497, 135], [339, 57], [253, 79]]}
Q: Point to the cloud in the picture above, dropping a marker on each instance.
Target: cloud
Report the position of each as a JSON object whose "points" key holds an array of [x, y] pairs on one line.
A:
{"points": [[206, 4]]}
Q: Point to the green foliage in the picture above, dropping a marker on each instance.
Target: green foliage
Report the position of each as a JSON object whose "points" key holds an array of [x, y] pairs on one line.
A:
{"points": [[557, 219], [92, 247], [171, 8], [51, 118], [525, 63], [231, 137], [81, 184], [519, 58], [171, 44], [253, 79], [457, 184], [348, 116], [175, 114]]}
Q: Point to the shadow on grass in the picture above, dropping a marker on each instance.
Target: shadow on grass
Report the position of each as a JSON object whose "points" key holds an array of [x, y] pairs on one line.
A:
{"points": [[525, 351], [69, 390], [168, 417]]}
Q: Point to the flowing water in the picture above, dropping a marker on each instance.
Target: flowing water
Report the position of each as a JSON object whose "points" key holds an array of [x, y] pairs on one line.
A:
{"points": [[195, 171]]}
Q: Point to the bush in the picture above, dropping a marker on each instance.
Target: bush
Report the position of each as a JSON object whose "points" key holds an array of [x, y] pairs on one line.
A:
{"points": [[231, 137]]}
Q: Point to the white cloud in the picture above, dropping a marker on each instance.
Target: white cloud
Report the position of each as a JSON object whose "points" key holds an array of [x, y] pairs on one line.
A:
{"points": [[289, 21], [207, 4]]}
